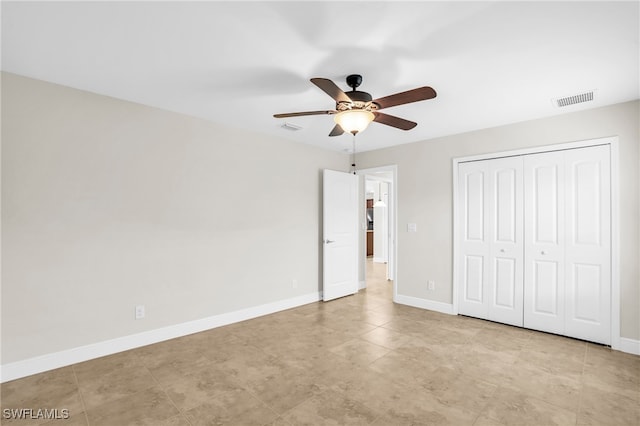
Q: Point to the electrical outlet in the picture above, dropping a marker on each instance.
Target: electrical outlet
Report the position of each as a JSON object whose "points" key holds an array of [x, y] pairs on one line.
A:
{"points": [[139, 312], [431, 285], [294, 283]]}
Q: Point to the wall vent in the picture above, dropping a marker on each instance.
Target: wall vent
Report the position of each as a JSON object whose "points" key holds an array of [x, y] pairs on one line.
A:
{"points": [[574, 99], [291, 127]]}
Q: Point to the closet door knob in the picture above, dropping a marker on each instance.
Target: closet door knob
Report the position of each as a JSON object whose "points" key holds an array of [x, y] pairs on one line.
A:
{"points": [[501, 250], [542, 252]]}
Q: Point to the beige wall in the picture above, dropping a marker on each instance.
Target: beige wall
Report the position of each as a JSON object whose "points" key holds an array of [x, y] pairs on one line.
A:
{"points": [[425, 195], [108, 204]]}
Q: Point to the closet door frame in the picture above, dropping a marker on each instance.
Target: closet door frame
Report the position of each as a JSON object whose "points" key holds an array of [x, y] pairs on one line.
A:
{"points": [[615, 218]]}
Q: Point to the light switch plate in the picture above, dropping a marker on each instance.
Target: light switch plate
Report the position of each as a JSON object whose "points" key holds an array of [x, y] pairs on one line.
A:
{"points": [[412, 227], [140, 312]]}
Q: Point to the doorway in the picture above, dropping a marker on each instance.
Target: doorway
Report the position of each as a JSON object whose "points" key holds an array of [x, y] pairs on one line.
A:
{"points": [[378, 253]]}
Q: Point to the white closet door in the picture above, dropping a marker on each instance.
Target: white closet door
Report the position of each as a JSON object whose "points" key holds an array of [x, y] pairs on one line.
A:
{"points": [[474, 238], [544, 242], [588, 244], [506, 244], [492, 245], [568, 243], [535, 241]]}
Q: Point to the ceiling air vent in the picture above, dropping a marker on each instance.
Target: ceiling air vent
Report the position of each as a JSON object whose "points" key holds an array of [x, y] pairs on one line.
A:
{"points": [[291, 127], [574, 99]]}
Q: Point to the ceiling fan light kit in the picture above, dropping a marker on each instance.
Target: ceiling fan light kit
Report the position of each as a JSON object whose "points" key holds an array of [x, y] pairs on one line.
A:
{"points": [[354, 120], [356, 109]]}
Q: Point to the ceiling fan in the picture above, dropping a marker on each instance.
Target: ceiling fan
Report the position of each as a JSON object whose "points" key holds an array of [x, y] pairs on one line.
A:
{"points": [[356, 109]]}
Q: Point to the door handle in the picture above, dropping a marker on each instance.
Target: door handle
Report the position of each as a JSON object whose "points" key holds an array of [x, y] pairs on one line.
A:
{"points": [[329, 241], [543, 252]]}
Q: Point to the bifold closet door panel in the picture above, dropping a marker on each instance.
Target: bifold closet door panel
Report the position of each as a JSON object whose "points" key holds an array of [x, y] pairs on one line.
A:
{"points": [[588, 244], [567, 257], [474, 238], [544, 252], [506, 241], [490, 266]]}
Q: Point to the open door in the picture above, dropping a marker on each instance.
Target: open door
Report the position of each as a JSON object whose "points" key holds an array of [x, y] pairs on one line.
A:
{"points": [[340, 234]]}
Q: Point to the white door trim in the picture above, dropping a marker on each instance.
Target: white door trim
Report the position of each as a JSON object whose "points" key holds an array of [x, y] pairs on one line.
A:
{"points": [[615, 217], [393, 218]]}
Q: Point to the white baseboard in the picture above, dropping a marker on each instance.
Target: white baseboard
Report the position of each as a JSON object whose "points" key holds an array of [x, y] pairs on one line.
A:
{"points": [[629, 346], [362, 284], [432, 305], [27, 367]]}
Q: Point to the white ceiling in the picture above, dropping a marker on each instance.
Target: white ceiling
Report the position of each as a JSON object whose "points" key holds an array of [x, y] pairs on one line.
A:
{"points": [[238, 63]]}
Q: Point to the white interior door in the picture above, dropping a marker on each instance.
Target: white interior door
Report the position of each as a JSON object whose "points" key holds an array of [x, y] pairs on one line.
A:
{"points": [[588, 244], [568, 243], [492, 239], [340, 234], [507, 245], [474, 238], [544, 242], [380, 233]]}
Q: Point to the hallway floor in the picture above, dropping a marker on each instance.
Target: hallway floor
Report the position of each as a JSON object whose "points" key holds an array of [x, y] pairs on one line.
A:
{"points": [[359, 360]]}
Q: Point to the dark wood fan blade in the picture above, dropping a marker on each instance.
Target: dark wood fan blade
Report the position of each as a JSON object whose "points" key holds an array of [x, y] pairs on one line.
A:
{"points": [[337, 130], [415, 95], [299, 114], [393, 121], [330, 88]]}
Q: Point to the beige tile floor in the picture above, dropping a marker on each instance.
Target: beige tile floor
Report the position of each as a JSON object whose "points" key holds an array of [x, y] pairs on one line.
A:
{"points": [[357, 360]]}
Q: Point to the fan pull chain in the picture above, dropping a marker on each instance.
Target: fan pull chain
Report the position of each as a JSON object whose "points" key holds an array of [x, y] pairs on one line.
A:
{"points": [[353, 155]]}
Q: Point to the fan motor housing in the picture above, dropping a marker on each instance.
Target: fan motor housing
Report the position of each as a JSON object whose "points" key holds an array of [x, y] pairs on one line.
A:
{"points": [[359, 100], [358, 96]]}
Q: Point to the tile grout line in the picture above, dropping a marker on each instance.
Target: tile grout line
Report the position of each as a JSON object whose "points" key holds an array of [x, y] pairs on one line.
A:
{"points": [[164, 391], [84, 406], [584, 365], [495, 391], [252, 393], [281, 415]]}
